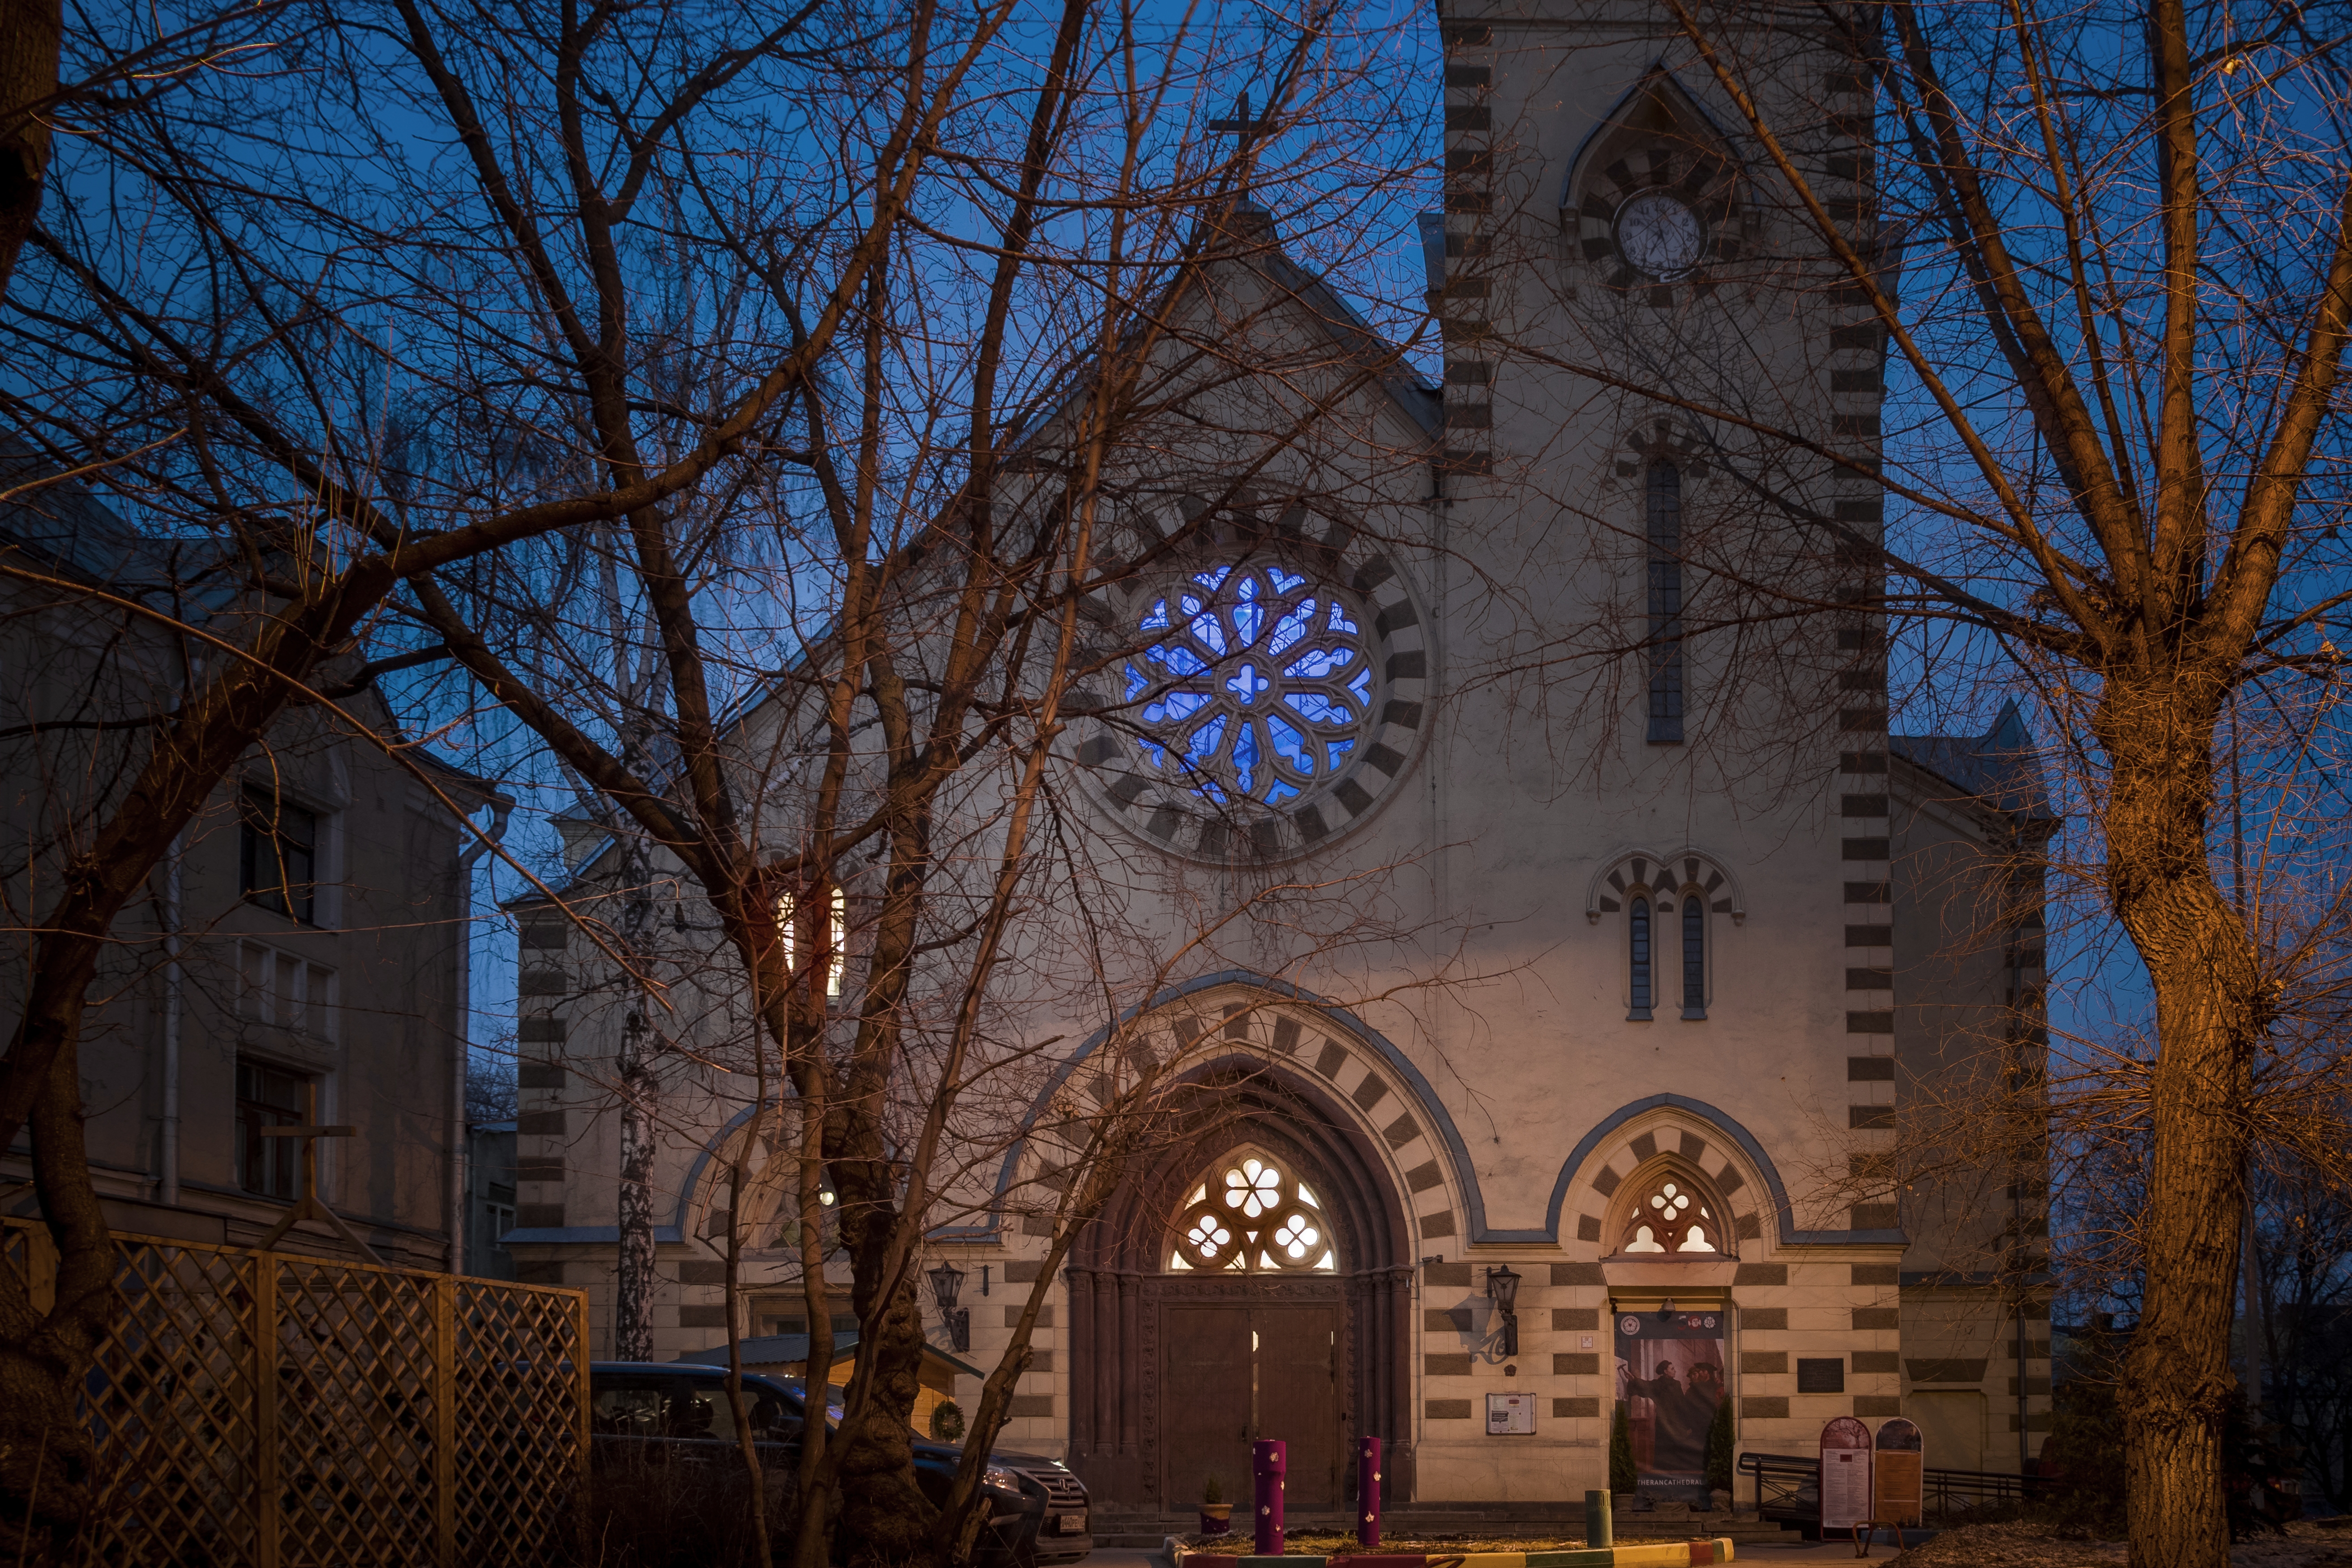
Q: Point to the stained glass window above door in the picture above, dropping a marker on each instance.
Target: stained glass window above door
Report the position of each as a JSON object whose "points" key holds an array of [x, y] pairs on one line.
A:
{"points": [[1671, 1217], [1251, 1216]]}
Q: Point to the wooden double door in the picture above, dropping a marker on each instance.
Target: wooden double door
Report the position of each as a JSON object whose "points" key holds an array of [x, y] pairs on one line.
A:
{"points": [[1232, 1372]]}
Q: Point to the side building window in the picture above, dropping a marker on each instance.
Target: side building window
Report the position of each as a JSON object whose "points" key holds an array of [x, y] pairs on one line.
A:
{"points": [[268, 1095], [1663, 503], [278, 857]]}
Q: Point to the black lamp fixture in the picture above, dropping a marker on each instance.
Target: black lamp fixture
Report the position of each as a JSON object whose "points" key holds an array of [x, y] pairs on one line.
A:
{"points": [[1502, 1288], [1667, 1311], [947, 1283]]}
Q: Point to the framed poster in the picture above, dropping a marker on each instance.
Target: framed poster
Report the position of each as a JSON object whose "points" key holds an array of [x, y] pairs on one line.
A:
{"points": [[1670, 1379], [1845, 1474], [1510, 1414]]}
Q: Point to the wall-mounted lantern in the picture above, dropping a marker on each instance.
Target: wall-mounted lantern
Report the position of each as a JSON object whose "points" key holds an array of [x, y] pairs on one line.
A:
{"points": [[947, 1284], [1503, 1288]]}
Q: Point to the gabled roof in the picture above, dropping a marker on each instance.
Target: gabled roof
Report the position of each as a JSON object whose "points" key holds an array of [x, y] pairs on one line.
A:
{"points": [[58, 524], [1996, 771]]}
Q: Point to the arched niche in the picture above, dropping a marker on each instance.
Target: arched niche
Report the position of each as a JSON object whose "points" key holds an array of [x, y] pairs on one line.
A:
{"points": [[1657, 148], [1124, 1292]]}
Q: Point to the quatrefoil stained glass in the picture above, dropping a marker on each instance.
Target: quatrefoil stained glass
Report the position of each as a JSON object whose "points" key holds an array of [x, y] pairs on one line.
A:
{"points": [[1672, 1219], [1258, 685]]}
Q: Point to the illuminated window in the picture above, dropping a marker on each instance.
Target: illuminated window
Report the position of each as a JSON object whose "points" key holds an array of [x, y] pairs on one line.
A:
{"points": [[836, 941], [1673, 1216], [1253, 1217]]}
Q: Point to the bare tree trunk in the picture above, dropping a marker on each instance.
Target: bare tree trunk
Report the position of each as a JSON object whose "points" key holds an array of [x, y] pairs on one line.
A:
{"points": [[2207, 988], [632, 1285], [814, 1542], [745, 1440], [47, 1465], [31, 34]]}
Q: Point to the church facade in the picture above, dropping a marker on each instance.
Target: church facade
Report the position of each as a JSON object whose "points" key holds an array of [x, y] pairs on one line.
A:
{"points": [[1723, 927]]}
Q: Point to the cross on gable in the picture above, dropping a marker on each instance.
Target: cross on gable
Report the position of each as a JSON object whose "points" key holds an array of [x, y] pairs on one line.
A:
{"points": [[1241, 124]]}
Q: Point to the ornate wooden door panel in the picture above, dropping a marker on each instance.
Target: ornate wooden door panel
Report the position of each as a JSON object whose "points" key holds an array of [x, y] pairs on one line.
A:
{"points": [[1299, 1365], [1204, 1404]]}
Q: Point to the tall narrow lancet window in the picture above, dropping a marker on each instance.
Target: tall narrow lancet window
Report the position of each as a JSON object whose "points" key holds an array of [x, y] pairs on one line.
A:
{"points": [[1664, 504], [1694, 956], [1637, 923]]}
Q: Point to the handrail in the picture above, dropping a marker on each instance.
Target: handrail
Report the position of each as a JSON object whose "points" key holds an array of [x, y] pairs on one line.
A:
{"points": [[1795, 1487]]}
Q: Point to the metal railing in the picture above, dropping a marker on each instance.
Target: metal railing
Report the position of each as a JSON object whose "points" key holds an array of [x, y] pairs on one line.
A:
{"points": [[1786, 1487], [274, 1409]]}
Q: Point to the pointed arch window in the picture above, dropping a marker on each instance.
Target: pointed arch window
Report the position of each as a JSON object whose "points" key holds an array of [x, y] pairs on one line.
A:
{"points": [[1253, 1216], [1694, 956], [1637, 931], [1662, 502], [1673, 1216]]}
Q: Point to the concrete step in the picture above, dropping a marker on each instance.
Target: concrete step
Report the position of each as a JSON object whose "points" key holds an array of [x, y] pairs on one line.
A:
{"points": [[1424, 1520]]}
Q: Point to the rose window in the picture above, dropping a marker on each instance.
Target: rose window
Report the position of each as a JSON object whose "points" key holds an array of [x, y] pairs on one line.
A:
{"points": [[1258, 686], [1253, 1216], [1673, 1218]]}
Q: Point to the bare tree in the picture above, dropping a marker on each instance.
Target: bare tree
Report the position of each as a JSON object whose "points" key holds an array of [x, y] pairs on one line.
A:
{"points": [[2105, 260], [180, 328], [1104, 369]]}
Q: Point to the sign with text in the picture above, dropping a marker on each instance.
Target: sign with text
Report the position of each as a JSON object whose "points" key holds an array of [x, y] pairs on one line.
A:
{"points": [[1510, 1414], [1846, 1473], [1897, 1474]]}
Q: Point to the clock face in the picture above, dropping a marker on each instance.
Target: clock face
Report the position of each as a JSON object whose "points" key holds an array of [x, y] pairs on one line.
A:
{"points": [[1659, 235]]}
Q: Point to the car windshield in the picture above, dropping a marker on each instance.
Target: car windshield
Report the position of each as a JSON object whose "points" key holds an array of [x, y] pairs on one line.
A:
{"points": [[837, 1398], [663, 1408]]}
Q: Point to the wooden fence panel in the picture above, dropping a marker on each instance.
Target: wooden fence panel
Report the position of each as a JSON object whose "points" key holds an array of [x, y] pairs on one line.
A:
{"points": [[292, 1412]]}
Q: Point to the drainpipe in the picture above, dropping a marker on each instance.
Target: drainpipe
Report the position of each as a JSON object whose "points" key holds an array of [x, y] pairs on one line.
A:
{"points": [[501, 809], [167, 1183]]}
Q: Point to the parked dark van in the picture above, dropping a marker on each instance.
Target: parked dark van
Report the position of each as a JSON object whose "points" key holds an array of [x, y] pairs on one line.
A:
{"points": [[676, 1415]]}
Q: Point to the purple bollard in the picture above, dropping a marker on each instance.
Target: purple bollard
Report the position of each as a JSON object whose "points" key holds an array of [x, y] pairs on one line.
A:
{"points": [[1269, 1457], [1368, 1491]]}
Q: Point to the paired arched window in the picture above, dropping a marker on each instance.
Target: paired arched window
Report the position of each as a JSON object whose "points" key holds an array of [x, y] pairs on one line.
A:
{"points": [[1251, 1216], [1650, 932]]}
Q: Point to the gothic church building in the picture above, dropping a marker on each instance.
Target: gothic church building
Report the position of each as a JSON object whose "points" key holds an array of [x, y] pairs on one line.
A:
{"points": [[1730, 925]]}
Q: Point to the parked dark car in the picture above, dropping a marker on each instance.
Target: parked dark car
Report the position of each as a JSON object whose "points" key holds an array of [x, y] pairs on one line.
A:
{"points": [[646, 1413]]}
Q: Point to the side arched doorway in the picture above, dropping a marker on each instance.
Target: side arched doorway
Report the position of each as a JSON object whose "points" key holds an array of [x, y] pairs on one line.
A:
{"points": [[1251, 1280]]}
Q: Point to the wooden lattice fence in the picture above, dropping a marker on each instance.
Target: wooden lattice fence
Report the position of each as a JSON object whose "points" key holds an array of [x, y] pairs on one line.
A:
{"points": [[281, 1411]]}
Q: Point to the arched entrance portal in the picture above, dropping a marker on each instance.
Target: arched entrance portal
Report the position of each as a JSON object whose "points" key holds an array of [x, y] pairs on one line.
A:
{"points": [[1250, 1280]]}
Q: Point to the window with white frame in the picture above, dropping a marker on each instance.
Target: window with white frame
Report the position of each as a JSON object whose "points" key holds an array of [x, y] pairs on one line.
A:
{"points": [[286, 991]]}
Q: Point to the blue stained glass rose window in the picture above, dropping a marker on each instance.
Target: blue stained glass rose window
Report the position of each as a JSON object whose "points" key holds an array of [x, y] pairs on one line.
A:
{"points": [[1258, 685]]}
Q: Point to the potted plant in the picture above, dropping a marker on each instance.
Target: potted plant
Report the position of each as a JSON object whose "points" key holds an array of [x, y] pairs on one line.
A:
{"points": [[1622, 1478], [1216, 1513]]}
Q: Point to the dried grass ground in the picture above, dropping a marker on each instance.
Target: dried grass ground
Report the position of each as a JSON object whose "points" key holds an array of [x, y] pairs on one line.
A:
{"points": [[2027, 1545]]}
